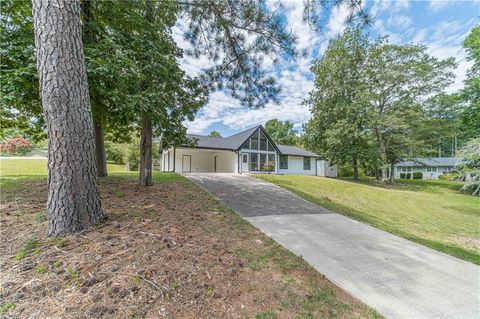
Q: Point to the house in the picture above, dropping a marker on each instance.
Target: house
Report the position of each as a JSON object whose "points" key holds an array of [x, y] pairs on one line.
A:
{"points": [[250, 151], [431, 168]]}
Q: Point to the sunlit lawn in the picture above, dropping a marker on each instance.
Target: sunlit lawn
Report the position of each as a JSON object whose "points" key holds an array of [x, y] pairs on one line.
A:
{"points": [[13, 171], [432, 213]]}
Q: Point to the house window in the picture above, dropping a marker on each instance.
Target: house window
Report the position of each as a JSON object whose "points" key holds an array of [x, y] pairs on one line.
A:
{"points": [[283, 162], [270, 147], [245, 158], [431, 169], [270, 163], [254, 143], [306, 164], [254, 162], [246, 144], [406, 169], [263, 160], [263, 141]]}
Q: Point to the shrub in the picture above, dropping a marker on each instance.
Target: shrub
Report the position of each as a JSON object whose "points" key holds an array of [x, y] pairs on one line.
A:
{"points": [[116, 153], [17, 145], [417, 175], [402, 175], [133, 159], [409, 175]]}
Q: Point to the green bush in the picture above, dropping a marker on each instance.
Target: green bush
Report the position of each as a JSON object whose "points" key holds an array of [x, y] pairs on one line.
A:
{"points": [[133, 158], [115, 152], [409, 175], [417, 175], [402, 175]]}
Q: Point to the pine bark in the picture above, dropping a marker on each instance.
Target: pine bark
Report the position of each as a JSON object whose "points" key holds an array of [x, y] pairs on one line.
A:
{"points": [[101, 156], [146, 143], [73, 196]]}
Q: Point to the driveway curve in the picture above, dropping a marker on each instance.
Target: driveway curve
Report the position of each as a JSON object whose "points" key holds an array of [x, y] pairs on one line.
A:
{"points": [[399, 278]]}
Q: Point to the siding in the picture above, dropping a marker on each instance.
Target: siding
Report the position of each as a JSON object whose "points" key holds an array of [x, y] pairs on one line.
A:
{"points": [[295, 166]]}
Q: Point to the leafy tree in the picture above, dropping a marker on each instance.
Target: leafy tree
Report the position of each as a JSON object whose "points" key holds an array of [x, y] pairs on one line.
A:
{"points": [[471, 93], [400, 78], [282, 132], [73, 195], [21, 106], [338, 127], [441, 129], [215, 134], [469, 159]]}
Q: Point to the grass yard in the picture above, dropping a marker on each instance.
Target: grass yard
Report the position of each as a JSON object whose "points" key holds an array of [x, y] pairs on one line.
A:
{"points": [[428, 212], [165, 251]]}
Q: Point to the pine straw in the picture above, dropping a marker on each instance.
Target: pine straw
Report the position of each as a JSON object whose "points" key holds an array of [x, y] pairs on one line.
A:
{"points": [[166, 251]]}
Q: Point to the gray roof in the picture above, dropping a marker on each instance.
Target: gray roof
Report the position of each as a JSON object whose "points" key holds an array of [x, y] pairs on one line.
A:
{"points": [[223, 143], [432, 161], [295, 150], [235, 141]]}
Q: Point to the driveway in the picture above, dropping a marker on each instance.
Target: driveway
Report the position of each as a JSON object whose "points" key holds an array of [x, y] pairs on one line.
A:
{"points": [[397, 277]]}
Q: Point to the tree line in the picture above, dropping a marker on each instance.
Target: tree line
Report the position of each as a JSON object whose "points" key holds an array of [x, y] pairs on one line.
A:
{"points": [[376, 103]]}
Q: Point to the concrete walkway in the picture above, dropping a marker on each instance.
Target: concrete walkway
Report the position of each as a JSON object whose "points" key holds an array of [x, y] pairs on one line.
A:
{"points": [[397, 277]]}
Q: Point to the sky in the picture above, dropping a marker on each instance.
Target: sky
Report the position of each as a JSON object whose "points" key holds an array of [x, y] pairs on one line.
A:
{"points": [[441, 25]]}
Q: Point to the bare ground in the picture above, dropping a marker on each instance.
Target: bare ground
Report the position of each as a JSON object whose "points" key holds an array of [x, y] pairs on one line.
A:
{"points": [[166, 251]]}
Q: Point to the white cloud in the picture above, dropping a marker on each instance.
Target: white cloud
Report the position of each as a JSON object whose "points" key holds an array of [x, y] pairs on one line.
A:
{"points": [[437, 5], [399, 21]]}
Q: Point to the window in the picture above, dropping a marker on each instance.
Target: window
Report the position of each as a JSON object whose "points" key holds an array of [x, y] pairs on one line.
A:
{"points": [[431, 169], [254, 143], [245, 158], [406, 169], [270, 147], [306, 164], [253, 162], [263, 160], [263, 141], [270, 163], [283, 162], [246, 144]]}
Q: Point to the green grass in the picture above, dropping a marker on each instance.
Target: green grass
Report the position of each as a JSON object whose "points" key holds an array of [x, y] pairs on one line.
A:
{"points": [[428, 212], [15, 171]]}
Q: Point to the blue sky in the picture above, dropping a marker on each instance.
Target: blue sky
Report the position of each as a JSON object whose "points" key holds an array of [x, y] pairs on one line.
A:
{"points": [[441, 25]]}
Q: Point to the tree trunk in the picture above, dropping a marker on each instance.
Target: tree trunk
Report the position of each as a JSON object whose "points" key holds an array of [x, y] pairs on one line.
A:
{"points": [[100, 150], [383, 151], [73, 195], [392, 171], [355, 169], [146, 141]]}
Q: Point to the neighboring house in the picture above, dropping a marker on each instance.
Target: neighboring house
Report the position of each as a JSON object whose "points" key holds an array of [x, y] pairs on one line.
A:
{"points": [[431, 168], [250, 151]]}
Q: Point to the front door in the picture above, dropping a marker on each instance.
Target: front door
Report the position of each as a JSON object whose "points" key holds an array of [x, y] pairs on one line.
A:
{"points": [[186, 163], [245, 161]]}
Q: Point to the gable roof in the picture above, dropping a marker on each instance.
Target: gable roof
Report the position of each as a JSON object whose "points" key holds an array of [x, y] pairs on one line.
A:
{"points": [[295, 150], [432, 161], [234, 142]]}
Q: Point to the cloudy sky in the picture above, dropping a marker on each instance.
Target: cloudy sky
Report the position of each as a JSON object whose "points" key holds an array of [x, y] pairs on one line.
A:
{"points": [[441, 25]]}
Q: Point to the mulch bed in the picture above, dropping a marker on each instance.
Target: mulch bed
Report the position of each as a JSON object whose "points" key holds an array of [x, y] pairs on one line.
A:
{"points": [[165, 251]]}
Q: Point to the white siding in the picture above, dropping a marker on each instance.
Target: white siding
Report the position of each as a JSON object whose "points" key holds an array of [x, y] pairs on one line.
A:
{"points": [[295, 166], [426, 174], [203, 160]]}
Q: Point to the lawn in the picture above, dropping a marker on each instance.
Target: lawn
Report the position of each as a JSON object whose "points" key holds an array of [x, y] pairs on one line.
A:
{"points": [[431, 213], [165, 251]]}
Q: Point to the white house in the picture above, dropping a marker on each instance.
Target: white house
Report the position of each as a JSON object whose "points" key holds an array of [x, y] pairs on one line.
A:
{"points": [[250, 151], [431, 168]]}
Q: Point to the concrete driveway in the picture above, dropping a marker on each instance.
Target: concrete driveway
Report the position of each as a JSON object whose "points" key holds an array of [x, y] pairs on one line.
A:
{"points": [[397, 277]]}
